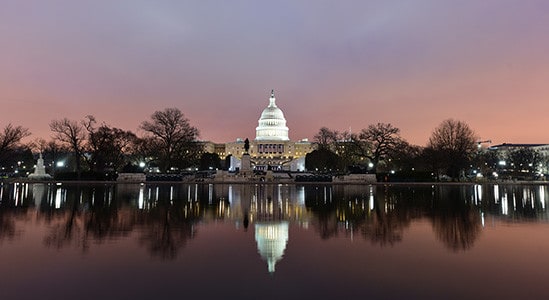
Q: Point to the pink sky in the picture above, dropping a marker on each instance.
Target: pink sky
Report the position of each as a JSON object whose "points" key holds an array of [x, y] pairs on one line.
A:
{"points": [[344, 64]]}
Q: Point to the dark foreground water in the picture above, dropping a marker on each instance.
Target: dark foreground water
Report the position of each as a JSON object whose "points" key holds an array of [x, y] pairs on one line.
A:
{"points": [[273, 241]]}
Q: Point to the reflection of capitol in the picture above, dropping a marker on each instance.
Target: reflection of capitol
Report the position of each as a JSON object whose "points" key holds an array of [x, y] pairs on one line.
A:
{"points": [[268, 203], [380, 214], [271, 207], [271, 241]]}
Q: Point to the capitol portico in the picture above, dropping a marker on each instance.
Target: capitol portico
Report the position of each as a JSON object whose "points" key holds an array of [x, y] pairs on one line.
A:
{"points": [[272, 147]]}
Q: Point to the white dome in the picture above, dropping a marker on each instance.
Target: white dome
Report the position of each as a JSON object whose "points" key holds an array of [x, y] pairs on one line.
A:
{"points": [[272, 124]]}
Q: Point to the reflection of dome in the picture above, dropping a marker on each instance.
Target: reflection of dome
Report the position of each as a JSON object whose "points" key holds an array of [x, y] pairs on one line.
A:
{"points": [[271, 241], [272, 124]]}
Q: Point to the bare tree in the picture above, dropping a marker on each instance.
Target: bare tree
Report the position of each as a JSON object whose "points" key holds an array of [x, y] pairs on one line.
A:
{"points": [[38, 145], [10, 139], [173, 138], [405, 157], [376, 143], [11, 136], [73, 134], [453, 143], [107, 146], [326, 138], [110, 146]]}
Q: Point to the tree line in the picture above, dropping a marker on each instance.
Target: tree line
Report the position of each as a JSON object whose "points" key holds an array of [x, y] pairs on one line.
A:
{"points": [[169, 143], [453, 152]]}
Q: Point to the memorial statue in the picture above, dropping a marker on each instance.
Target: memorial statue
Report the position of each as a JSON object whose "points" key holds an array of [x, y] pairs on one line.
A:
{"points": [[40, 170]]}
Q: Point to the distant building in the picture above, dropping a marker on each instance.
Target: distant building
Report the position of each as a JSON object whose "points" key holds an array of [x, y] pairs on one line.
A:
{"points": [[271, 148], [505, 148], [217, 148], [503, 151]]}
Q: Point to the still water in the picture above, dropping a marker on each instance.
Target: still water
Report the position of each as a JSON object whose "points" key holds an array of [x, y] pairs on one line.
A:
{"points": [[205, 241]]}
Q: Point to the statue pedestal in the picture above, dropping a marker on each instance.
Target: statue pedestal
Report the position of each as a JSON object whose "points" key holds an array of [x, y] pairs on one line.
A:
{"points": [[246, 165]]}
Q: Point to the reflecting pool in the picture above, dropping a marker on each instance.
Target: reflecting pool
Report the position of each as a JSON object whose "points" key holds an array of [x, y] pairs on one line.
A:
{"points": [[153, 241]]}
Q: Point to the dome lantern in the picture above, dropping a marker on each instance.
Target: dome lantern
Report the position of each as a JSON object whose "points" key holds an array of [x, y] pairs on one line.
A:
{"points": [[272, 124]]}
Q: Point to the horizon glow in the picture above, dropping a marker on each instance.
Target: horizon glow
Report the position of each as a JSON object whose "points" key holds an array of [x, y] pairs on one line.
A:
{"points": [[341, 65]]}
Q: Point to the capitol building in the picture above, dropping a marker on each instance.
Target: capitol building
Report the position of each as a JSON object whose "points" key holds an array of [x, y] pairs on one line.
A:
{"points": [[271, 149]]}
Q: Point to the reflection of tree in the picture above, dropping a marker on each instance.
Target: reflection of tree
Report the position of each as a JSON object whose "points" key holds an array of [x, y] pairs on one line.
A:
{"points": [[68, 226], [327, 225], [7, 225], [458, 230], [7, 214], [94, 214], [95, 219], [326, 222], [384, 228], [390, 217], [456, 223], [87, 215], [103, 220], [166, 231], [168, 224], [350, 206]]}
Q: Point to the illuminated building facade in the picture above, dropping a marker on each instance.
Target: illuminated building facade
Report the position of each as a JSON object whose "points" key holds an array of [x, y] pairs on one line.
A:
{"points": [[504, 151], [272, 147]]}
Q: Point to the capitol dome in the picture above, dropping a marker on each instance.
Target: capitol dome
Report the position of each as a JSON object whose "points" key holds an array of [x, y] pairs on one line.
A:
{"points": [[272, 124]]}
